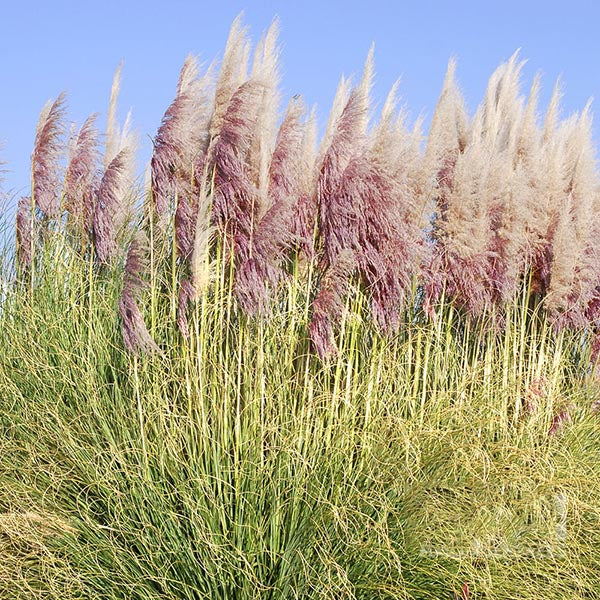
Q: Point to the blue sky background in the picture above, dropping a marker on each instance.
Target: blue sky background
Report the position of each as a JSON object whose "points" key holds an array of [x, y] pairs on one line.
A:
{"points": [[48, 47]]}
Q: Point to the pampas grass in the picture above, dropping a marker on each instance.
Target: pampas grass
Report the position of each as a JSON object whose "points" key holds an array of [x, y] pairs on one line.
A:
{"points": [[82, 176], [351, 368], [112, 208], [45, 157]]}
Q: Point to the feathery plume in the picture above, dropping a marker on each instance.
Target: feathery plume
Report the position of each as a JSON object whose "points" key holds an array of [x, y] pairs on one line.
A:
{"points": [[274, 234], [115, 197], [481, 222], [180, 140], [186, 295], [348, 118], [574, 274], [366, 206], [551, 119], [466, 234], [136, 337], [385, 132], [499, 114], [328, 305], [45, 157], [386, 238], [235, 200], [365, 86], [508, 202], [200, 267], [112, 126], [505, 194], [336, 216], [111, 211], [448, 137], [25, 226], [340, 100], [528, 136], [82, 173], [265, 70], [525, 187], [449, 131], [304, 221], [232, 75], [547, 194], [284, 169]]}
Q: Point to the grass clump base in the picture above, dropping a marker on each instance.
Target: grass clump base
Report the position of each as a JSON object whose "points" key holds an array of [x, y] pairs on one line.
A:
{"points": [[235, 464]]}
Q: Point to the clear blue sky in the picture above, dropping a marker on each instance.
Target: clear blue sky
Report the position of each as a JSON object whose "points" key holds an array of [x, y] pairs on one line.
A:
{"points": [[47, 47]]}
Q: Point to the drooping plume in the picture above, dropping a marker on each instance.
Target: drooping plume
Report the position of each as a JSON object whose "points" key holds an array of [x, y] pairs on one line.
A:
{"points": [[274, 234], [398, 212], [179, 144], [113, 206], [366, 206], [235, 205], [47, 150], [136, 337], [25, 226], [81, 177], [328, 305], [574, 273]]}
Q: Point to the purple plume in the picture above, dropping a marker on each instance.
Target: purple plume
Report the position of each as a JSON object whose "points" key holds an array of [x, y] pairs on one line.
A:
{"points": [[559, 421], [328, 305], [111, 210], [336, 215], [386, 241], [235, 206], [274, 235], [366, 208], [25, 231], [81, 177], [186, 294], [181, 138], [135, 334], [190, 194], [304, 223], [46, 156]]}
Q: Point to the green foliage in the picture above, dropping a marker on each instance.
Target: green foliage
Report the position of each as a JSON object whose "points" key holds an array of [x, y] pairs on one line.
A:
{"points": [[237, 465]]}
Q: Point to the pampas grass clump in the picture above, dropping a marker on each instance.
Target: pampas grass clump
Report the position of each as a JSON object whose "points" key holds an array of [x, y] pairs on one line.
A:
{"points": [[282, 369]]}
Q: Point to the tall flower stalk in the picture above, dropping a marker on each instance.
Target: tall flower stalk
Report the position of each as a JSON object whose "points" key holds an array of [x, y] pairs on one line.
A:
{"points": [[45, 158]]}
